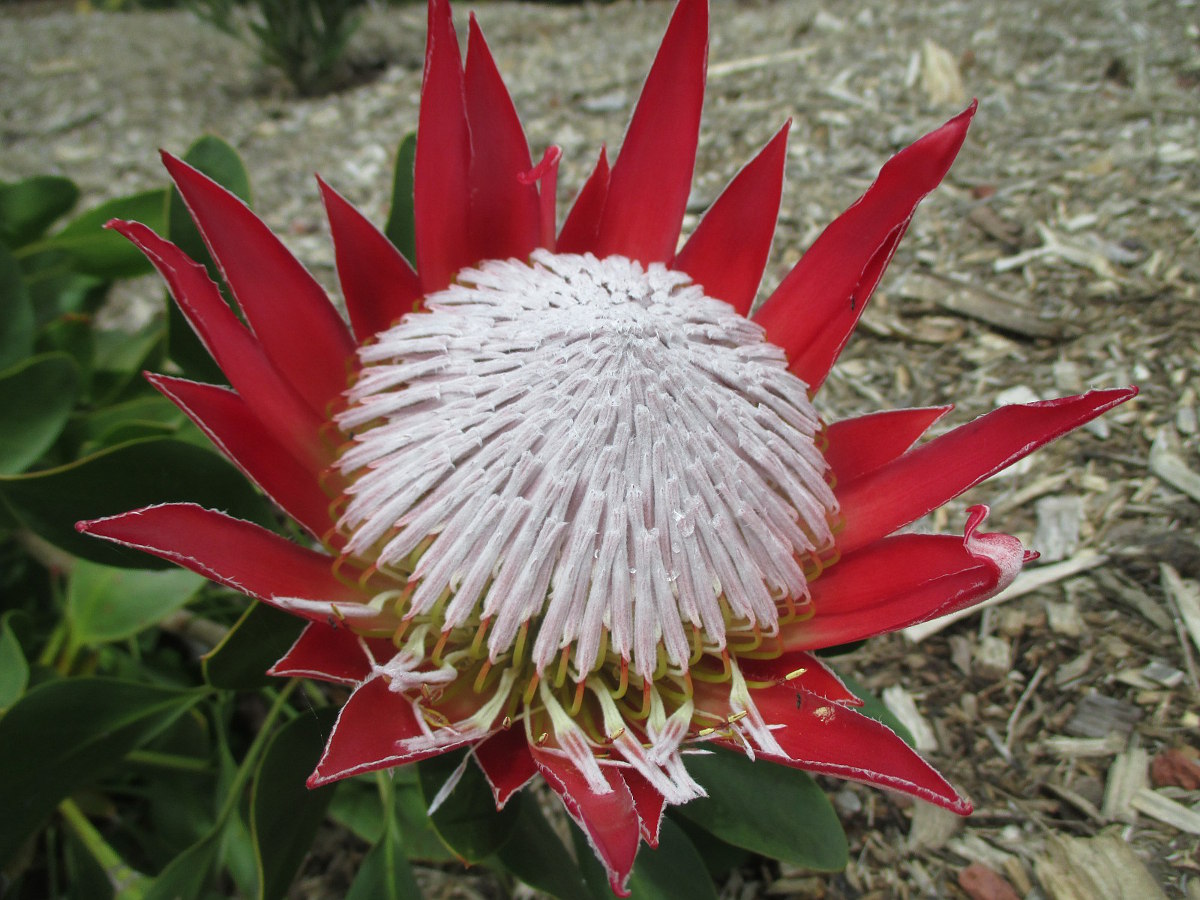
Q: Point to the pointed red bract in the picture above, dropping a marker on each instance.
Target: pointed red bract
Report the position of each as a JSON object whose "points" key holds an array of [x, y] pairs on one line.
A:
{"points": [[815, 308], [506, 763], [861, 445], [610, 820], [803, 672], [441, 181], [281, 410], [927, 476], [372, 732], [331, 653], [505, 213], [378, 284], [578, 234], [728, 251], [652, 176], [899, 581], [831, 739], [234, 429], [648, 802], [545, 176], [232, 552], [298, 328]]}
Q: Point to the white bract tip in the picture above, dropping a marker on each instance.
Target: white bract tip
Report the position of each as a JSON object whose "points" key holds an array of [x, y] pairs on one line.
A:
{"points": [[596, 449]]}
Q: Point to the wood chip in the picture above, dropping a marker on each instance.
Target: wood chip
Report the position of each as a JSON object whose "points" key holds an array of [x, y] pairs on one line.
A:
{"points": [[1186, 596], [904, 708], [932, 827], [982, 883], [1172, 469], [1028, 581], [1163, 809], [1126, 776], [1063, 747], [1097, 716], [1090, 868], [1176, 767]]}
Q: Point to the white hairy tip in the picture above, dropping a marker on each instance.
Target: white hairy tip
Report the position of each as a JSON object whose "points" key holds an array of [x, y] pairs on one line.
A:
{"points": [[597, 449]]}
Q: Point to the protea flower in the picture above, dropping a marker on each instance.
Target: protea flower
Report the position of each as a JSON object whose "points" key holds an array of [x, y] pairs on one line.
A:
{"points": [[569, 505]]}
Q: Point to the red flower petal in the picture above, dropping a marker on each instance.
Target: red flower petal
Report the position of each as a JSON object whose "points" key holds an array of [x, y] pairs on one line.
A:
{"points": [[648, 802], [232, 552], [545, 176], [331, 653], [861, 445], [378, 284], [899, 581], [828, 738], [273, 401], [816, 307], [372, 732], [728, 251], [579, 231], [505, 213], [653, 174], [506, 763], [609, 820], [298, 328], [441, 181], [807, 673], [237, 432], [929, 475]]}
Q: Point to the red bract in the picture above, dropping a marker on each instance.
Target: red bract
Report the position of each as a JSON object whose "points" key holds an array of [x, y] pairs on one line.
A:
{"points": [[576, 511]]}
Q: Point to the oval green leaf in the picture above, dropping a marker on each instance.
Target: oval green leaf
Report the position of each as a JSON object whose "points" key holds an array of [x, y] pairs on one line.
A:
{"points": [[63, 735], [535, 854], [118, 479], [14, 669], [16, 312], [105, 254], [467, 820], [36, 399], [767, 808], [260, 637], [401, 227], [284, 814], [30, 206], [385, 873], [107, 604]]}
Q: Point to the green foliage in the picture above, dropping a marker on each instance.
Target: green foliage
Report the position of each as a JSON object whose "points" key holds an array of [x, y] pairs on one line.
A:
{"points": [[304, 39]]}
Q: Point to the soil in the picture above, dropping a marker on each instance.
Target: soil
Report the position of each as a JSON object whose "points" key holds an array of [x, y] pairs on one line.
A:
{"points": [[1062, 253]]}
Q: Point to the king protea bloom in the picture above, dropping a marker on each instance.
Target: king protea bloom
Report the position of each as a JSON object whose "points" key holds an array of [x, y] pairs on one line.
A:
{"points": [[570, 504]]}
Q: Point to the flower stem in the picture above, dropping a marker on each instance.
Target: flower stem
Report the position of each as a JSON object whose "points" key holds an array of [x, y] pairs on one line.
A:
{"points": [[127, 882]]}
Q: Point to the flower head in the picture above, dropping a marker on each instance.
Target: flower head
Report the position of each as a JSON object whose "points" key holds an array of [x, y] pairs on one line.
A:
{"points": [[570, 505]]}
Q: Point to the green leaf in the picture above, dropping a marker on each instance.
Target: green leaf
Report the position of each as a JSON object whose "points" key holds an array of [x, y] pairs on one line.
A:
{"points": [[284, 814], [767, 808], [875, 708], [675, 869], [220, 162], [467, 821], [107, 604], [118, 479], [260, 637], [63, 735], [153, 413], [36, 399], [16, 312], [385, 873], [14, 670], [29, 207], [536, 855], [105, 254], [401, 227], [187, 875]]}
